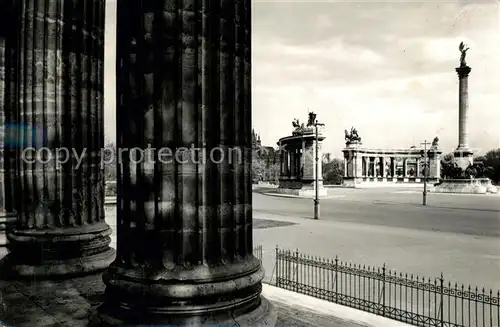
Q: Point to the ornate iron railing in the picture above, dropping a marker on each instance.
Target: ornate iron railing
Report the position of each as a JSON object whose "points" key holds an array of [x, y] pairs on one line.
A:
{"points": [[403, 297]]}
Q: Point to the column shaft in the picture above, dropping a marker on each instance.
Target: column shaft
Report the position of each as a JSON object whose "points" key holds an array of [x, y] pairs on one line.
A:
{"points": [[463, 106], [346, 174], [2, 116], [56, 102], [184, 219]]}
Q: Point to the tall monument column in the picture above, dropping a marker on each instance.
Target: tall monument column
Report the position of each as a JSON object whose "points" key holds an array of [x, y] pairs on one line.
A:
{"points": [[184, 215], [56, 102], [463, 155]]}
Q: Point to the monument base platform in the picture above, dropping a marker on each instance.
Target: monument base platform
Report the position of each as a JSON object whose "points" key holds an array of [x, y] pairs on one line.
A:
{"points": [[367, 182], [466, 186], [302, 188]]}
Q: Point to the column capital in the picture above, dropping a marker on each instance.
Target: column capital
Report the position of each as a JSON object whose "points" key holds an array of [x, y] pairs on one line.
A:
{"points": [[463, 71]]}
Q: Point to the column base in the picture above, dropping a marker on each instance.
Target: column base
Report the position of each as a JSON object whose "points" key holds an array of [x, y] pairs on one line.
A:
{"points": [[56, 253], [185, 296], [262, 315]]}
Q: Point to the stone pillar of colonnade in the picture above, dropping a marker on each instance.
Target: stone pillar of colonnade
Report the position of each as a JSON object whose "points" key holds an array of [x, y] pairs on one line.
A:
{"points": [[382, 167], [405, 168], [6, 30], [56, 101], [7, 19], [2, 115], [293, 163], [393, 167], [185, 247], [346, 173], [287, 163], [365, 166]]}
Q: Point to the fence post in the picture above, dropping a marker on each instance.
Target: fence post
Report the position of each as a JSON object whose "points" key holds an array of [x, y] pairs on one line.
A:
{"points": [[288, 262], [276, 267], [441, 306], [297, 270], [383, 291], [336, 279]]}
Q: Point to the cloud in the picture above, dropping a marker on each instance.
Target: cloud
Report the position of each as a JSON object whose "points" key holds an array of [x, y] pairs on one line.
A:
{"points": [[335, 50], [386, 68]]}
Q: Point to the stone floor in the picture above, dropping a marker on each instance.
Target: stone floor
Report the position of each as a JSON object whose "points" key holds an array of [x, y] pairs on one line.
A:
{"points": [[72, 302]]}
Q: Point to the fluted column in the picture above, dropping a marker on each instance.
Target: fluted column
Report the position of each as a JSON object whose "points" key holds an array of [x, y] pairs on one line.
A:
{"points": [[287, 162], [2, 117], [346, 174], [463, 155], [184, 248], [292, 163], [57, 97], [463, 105]]}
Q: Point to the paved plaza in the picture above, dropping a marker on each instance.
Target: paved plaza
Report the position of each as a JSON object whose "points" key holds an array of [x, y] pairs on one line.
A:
{"points": [[458, 235]]}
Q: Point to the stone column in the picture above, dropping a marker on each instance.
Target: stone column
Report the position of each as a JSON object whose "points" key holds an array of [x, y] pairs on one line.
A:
{"points": [[7, 22], [393, 167], [185, 248], [292, 163], [58, 97], [382, 167], [282, 159], [345, 167], [2, 116], [287, 162], [463, 155], [417, 168], [364, 167]]}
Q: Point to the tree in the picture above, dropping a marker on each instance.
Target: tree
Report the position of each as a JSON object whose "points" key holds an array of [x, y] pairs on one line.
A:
{"points": [[109, 160], [258, 166], [492, 162], [333, 171]]}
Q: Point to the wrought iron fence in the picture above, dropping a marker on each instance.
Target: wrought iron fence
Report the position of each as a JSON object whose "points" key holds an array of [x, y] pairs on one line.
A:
{"points": [[257, 252], [403, 297]]}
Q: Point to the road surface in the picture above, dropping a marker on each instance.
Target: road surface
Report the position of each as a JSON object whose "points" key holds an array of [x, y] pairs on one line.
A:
{"points": [[458, 235]]}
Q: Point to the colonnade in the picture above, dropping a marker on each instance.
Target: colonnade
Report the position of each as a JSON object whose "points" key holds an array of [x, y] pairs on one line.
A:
{"points": [[392, 165], [387, 167], [292, 162]]}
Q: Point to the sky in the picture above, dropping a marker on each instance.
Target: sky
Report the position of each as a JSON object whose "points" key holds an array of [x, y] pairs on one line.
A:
{"points": [[385, 68]]}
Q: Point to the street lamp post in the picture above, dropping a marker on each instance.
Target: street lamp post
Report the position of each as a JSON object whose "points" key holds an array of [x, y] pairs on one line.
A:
{"points": [[316, 177], [424, 194]]}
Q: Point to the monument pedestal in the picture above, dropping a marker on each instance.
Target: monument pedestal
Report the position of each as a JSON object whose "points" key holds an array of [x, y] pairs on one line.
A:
{"points": [[463, 157], [302, 188]]}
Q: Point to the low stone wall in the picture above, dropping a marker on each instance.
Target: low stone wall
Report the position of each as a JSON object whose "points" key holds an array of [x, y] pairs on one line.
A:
{"points": [[303, 192], [373, 182], [300, 188], [464, 186]]}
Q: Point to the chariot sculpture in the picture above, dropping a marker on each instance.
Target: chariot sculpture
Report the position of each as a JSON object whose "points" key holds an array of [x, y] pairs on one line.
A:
{"points": [[352, 136]]}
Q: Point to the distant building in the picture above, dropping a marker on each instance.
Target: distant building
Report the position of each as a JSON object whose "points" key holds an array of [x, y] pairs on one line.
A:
{"points": [[267, 156]]}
